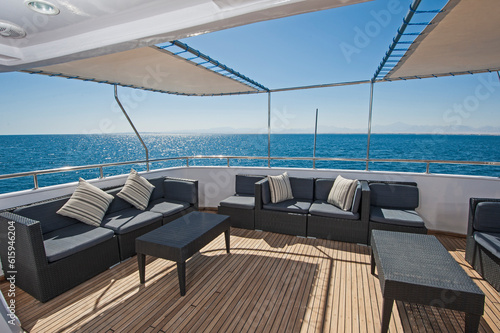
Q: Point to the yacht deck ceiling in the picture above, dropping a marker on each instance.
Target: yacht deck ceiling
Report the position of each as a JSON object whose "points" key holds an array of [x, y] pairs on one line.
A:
{"points": [[84, 29]]}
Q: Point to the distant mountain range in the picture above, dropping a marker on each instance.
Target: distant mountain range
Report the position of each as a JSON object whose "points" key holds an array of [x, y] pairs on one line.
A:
{"points": [[395, 128]]}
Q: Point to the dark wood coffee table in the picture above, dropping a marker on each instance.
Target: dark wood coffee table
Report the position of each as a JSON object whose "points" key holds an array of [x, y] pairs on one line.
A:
{"points": [[417, 268], [180, 239]]}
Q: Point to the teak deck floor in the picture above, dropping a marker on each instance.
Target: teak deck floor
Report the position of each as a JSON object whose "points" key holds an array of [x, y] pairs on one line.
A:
{"points": [[269, 283]]}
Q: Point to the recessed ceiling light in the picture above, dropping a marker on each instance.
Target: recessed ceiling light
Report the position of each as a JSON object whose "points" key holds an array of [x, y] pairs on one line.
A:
{"points": [[42, 7]]}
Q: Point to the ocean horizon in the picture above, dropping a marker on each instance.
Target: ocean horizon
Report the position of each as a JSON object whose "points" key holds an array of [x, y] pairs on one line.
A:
{"points": [[23, 153]]}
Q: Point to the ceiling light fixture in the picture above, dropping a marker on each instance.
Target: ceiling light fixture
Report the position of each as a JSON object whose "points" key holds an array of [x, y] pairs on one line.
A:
{"points": [[42, 7]]}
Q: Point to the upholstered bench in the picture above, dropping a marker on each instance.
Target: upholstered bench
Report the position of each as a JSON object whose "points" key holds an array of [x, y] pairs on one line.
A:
{"points": [[393, 207]]}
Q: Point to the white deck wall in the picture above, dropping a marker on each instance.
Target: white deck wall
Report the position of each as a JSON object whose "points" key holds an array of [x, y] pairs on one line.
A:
{"points": [[444, 199]]}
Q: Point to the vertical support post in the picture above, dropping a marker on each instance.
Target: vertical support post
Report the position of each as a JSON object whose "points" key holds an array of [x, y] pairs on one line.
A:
{"points": [[133, 127], [315, 135], [269, 129], [35, 181], [369, 125]]}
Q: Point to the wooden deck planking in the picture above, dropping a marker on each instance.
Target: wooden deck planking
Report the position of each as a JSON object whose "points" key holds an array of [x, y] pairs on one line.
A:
{"points": [[269, 283]]}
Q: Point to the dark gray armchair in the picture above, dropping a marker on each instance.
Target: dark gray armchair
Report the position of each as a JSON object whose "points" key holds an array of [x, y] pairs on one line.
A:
{"points": [[483, 239]]}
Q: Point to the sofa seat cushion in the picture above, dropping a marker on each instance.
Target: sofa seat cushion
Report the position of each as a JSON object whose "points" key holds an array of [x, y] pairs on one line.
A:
{"points": [[325, 209], [167, 207], [239, 201], [69, 240], [490, 241], [408, 218], [290, 206], [129, 220]]}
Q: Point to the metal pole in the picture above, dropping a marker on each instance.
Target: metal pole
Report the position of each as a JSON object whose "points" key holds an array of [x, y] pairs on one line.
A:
{"points": [[131, 124], [369, 125], [269, 129], [315, 134]]}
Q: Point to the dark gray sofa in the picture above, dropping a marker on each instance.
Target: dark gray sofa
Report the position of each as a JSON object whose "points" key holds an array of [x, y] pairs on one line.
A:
{"points": [[392, 207], [287, 217], [483, 239], [241, 205], [329, 222], [54, 253]]}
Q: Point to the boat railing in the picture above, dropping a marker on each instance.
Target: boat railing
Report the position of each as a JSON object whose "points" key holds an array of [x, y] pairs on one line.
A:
{"points": [[228, 159]]}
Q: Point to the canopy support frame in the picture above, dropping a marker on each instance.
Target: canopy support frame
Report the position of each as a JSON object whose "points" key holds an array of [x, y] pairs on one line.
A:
{"points": [[370, 111], [269, 129], [133, 127]]}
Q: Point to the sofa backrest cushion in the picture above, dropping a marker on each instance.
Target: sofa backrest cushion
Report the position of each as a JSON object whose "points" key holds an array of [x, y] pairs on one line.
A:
{"points": [[180, 190], [45, 212], [323, 186], [118, 203], [486, 217], [302, 188], [158, 191], [266, 192], [394, 195], [245, 184], [356, 201]]}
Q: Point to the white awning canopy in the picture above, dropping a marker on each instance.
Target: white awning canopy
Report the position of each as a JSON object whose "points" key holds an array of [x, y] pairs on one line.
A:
{"points": [[463, 38], [154, 69]]}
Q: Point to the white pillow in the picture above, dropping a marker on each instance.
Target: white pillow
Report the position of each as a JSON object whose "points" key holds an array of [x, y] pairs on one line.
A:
{"points": [[88, 204], [280, 188], [136, 191], [342, 192]]}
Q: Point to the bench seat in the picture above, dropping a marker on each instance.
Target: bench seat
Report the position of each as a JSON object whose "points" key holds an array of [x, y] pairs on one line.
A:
{"points": [[402, 217], [239, 201], [77, 237], [323, 208]]}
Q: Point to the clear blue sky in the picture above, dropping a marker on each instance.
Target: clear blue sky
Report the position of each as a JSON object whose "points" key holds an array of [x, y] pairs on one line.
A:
{"points": [[301, 50]]}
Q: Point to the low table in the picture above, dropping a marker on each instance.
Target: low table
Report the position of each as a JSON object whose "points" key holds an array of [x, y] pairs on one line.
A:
{"points": [[180, 239], [417, 268]]}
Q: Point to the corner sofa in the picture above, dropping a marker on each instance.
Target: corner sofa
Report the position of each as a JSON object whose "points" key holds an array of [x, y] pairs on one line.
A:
{"points": [[392, 207], [241, 205], [54, 253], [483, 239]]}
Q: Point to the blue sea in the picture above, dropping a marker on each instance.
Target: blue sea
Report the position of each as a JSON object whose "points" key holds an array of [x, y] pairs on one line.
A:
{"points": [[21, 153]]}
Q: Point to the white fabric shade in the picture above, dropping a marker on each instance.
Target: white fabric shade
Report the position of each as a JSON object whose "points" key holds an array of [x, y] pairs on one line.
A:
{"points": [[149, 68], [463, 38]]}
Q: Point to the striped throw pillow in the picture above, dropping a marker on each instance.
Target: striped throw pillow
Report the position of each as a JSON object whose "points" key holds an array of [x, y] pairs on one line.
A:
{"points": [[342, 192], [136, 191], [280, 188], [88, 204]]}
